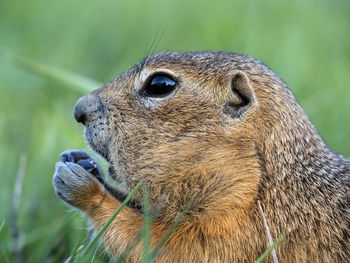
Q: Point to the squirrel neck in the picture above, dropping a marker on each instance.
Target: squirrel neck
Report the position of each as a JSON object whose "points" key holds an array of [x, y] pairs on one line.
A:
{"points": [[299, 174]]}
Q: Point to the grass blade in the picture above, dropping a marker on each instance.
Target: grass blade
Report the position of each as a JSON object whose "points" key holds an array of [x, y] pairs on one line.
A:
{"points": [[41, 253], [5, 256], [146, 227], [110, 220], [2, 224], [269, 250], [16, 232], [81, 83], [76, 250]]}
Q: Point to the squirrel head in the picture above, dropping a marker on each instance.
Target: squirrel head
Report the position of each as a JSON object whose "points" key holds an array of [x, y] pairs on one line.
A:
{"points": [[189, 125]]}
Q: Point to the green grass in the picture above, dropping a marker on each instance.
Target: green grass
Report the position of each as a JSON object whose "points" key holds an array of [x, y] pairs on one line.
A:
{"points": [[75, 45], [269, 250]]}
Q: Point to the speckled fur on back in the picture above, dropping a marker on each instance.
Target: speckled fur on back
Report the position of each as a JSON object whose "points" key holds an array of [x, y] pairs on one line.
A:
{"points": [[230, 134]]}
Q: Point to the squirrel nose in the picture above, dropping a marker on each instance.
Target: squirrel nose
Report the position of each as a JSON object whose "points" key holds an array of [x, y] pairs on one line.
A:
{"points": [[79, 115], [84, 107]]}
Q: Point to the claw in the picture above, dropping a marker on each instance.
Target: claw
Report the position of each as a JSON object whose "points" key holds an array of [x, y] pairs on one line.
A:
{"points": [[74, 156], [88, 164], [83, 159]]}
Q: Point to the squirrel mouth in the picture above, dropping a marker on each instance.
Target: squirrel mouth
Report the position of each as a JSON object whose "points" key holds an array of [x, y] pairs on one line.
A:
{"points": [[112, 173], [103, 151]]}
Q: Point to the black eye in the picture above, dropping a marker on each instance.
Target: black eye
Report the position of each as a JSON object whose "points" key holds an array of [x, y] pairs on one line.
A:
{"points": [[159, 86]]}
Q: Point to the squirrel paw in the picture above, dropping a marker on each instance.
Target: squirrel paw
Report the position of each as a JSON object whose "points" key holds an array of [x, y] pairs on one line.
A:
{"points": [[83, 159], [74, 185]]}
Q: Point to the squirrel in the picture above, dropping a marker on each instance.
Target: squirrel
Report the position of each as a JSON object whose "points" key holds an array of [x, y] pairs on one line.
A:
{"points": [[223, 132]]}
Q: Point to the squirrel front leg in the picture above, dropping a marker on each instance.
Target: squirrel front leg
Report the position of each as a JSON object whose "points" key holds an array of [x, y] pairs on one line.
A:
{"points": [[79, 186], [124, 229], [82, 185]]}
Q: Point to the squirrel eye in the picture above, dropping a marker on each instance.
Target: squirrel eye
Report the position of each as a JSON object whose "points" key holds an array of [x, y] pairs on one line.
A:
{"points": [[159, 86]]}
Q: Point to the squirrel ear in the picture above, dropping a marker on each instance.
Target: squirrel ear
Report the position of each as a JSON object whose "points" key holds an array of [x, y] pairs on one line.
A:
{"points": [[240, 97]]}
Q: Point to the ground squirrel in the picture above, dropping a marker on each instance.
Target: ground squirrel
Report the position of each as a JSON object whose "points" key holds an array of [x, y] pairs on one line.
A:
{"points": [[223, 130]]}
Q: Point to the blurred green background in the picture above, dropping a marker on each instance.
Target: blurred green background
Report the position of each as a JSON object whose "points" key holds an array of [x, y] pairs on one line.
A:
{"points": [[306, 42]]}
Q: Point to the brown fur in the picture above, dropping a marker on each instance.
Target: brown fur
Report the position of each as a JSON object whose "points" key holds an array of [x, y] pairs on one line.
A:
{"points": [[187, 147]]}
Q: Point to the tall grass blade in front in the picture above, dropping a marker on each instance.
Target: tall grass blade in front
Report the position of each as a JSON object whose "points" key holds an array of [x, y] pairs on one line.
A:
{"points": [[147, 221]]}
